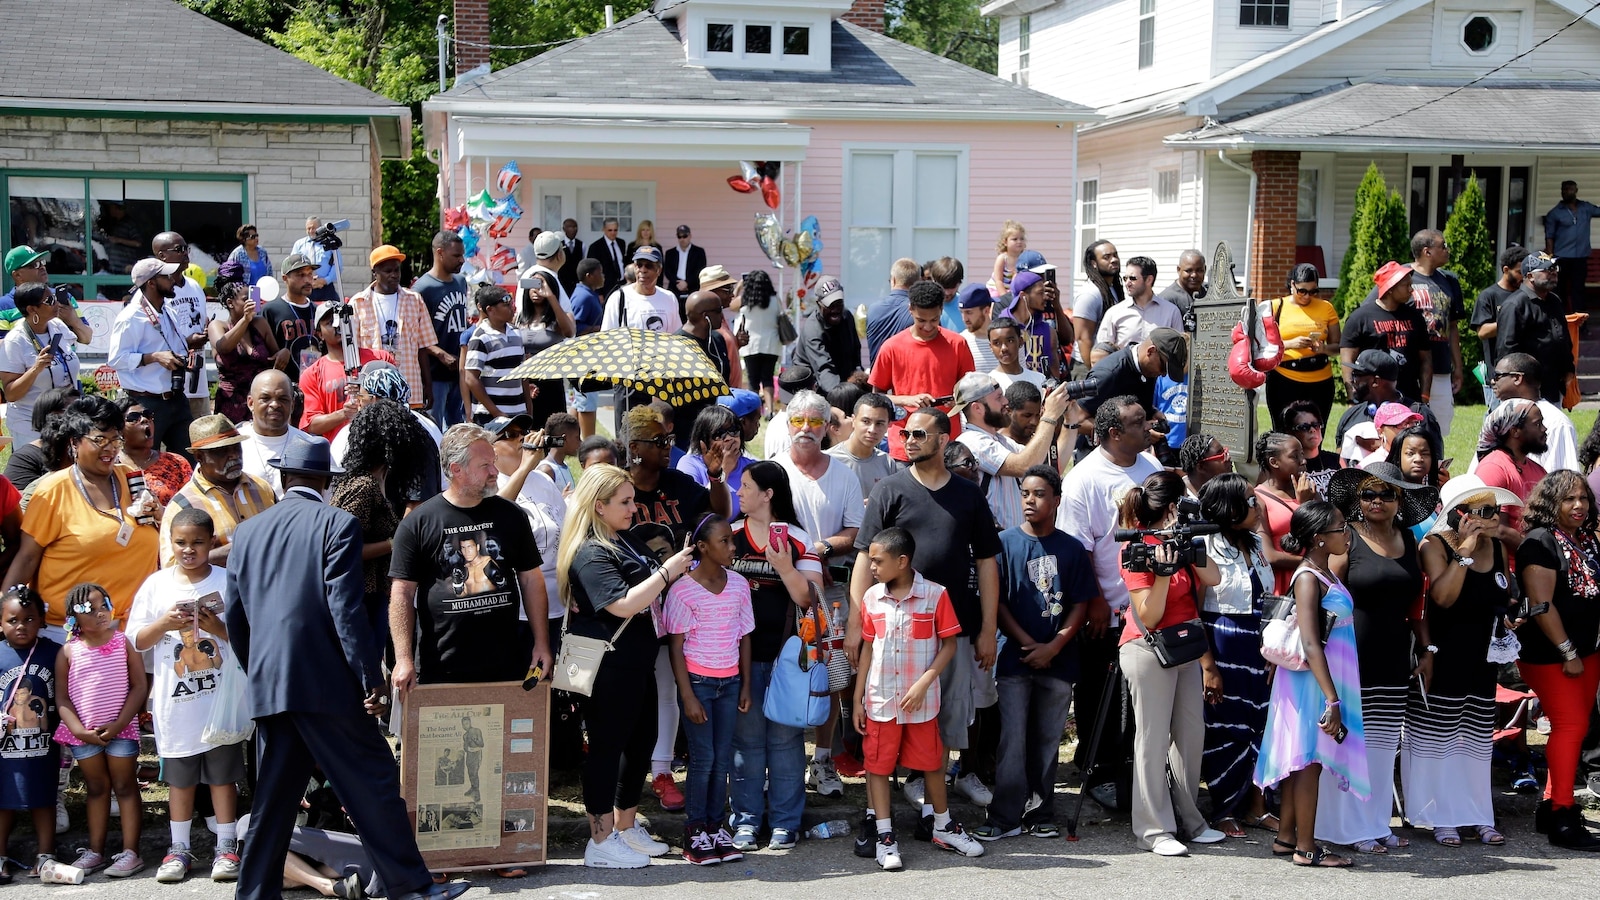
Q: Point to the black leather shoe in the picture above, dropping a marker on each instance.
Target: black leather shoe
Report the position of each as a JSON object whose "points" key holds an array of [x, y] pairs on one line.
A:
{"points": [[1541, 817], [1567, 831], [447, 891]]}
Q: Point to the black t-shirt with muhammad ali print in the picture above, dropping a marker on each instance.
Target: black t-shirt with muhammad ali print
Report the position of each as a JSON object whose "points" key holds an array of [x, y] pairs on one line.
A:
{"points": [[677, 501], [465, 563]]}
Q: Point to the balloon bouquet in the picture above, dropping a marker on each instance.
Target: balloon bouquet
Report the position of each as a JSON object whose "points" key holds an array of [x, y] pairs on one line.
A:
{"points": [[485, 217], [802, 250]]}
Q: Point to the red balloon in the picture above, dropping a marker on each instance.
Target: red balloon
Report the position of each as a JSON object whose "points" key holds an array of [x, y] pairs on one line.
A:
{"points": [[769, 192], [739, 184]]}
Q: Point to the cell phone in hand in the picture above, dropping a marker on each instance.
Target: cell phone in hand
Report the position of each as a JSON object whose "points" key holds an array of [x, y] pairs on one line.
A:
{"points": [[777, 534], [55, 342]]}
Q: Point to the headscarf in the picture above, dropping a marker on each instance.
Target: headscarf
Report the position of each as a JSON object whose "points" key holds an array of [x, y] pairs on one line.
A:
{"points": [[383, 380], [1499, 422]]}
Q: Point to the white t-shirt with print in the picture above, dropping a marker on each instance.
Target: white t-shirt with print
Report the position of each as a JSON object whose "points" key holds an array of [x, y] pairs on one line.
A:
{"points": [[184, 666], [654, 312]]}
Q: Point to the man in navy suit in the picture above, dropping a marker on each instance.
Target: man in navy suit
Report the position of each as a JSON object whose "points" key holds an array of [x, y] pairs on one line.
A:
{"points": [[301, 631], [680, 271], [610, 251]]}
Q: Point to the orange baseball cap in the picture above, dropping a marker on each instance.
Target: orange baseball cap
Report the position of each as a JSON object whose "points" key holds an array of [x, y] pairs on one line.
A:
{"points": [[384, 252]]}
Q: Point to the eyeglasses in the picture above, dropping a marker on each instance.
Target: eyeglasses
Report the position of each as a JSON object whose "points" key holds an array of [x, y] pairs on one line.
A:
{"points": [[916, 434], [1387, 495], [661, 441], [101, 441], [1305, 427], [1499, 375], [1345, 529], [137, 416], [807, 421]]}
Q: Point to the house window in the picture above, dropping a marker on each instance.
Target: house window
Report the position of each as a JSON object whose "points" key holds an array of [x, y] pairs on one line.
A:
{"points": [[796, 40], [1166, 188], [1516, 205], [1421, 192], [1273, 13], [601, 210], [902, 203], [85, 222], [1088, 211], [1478, 34], [1305, 215], [757, 39], [719, 37], [1024, 39], [1147, 33]]}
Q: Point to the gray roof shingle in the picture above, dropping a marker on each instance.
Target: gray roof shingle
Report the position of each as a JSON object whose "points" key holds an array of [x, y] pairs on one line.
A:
{"points": [[142, 50], [642, 59], [1419, 116]]}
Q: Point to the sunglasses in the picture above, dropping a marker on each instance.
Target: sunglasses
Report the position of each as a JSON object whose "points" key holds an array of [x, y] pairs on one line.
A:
{"points": [[1305, 427], [1388, 495], [1306, 292], [662, 441], [646, 264], [807, 421], [137, 416], [1499, 375], [916, 434], [1224, 456], [728, 433], [181, 248], [249, 234], [36, 264], [1488, 511], [964, 464], [100, 440]]}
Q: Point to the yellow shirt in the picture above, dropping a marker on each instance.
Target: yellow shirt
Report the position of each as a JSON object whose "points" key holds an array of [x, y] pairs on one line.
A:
{"points": [[1295, 321], [80, 544]]}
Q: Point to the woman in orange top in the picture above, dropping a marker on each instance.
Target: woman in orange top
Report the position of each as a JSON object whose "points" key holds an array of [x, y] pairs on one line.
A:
{"points": [[1308, 325]]}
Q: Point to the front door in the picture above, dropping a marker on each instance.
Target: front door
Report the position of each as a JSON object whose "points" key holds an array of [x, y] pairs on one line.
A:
{"points": [[1505, 192]]}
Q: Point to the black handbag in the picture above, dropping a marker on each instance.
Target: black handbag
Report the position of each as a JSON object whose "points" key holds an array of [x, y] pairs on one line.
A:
{"points": [[1179, 644]]}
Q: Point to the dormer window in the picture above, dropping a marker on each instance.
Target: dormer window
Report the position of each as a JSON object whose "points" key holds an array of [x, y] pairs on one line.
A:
{"points": [[796, 40], [753, 34], [719, 37], [757, 39]]}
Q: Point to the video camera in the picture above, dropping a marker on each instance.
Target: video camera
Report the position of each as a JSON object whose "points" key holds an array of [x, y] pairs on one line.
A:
{"points": [[328, 235], [1185, 538]]}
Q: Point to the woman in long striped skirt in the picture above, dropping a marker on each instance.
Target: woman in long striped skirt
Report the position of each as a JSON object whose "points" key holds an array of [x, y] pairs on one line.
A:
{"points": [[1384, 576], [1231, 611]]}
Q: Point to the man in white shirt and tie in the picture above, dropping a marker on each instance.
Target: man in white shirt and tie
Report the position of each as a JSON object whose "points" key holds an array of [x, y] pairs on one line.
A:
{"points": [[609, 251]]}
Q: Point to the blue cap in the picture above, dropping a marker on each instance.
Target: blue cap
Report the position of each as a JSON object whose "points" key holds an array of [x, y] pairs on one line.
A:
{"points": [[742, 402], [1028, 259], [973, 296], [647, 252], [1022, 281]]}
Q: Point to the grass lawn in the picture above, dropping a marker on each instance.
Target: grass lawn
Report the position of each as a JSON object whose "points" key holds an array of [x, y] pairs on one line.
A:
{"points": [[1460, 443]]}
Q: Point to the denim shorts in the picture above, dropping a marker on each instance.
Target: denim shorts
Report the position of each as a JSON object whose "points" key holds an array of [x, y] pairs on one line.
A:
{"points": [[118, 747], [587, 401]]}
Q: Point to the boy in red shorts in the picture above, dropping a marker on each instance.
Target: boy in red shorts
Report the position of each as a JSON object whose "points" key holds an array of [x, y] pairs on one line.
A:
{"points": [[908, 630]]}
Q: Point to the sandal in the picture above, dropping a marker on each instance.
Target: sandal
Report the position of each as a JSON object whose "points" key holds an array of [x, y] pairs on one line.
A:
{"points": [[1377, 848], [1394, 841], [1321, 859], [1229, 826], [1446, 836], [1265, 821], [514, 872], [1490, 836], [1288, 850], [441, 877]]}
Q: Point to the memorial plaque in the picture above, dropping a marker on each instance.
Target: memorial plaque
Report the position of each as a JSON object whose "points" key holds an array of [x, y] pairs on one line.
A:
{"points": [[1217, 406], [474, 774]]}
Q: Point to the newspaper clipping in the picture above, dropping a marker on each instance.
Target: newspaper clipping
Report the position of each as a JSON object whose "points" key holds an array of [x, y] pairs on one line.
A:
{"points": [[459, 776]]}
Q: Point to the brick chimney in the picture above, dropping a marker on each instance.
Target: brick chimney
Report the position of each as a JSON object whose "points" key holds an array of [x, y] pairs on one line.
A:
{"points": [[866, 13], [1272, 239], [472, 27]]}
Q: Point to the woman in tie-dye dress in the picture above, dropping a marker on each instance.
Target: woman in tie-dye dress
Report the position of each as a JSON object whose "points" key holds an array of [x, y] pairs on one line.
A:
{"points": [[1314, 718]]}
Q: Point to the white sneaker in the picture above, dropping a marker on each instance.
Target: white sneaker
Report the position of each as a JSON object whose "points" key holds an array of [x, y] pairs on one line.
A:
{"points": [[640, 841], [1167, 845], [915, 790], [971, 787], [888, 853], [954, 837], [822, 777], [613, 853], [1209, 836]]}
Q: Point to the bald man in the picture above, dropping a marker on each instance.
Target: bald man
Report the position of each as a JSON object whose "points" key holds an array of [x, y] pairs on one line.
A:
{"points": [[702, 312], [268, 434]]}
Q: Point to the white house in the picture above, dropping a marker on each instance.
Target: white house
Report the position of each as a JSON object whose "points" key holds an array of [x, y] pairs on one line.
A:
{"points": [[1252, 121]]}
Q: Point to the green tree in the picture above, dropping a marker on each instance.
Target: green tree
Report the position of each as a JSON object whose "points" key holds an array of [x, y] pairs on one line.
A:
{"points": [[949, 28], [411, 205], [1377, 235], [1472, 260]]}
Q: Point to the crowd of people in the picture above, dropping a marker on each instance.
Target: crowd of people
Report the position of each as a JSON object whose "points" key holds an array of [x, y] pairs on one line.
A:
{"points": [[940, 507]]}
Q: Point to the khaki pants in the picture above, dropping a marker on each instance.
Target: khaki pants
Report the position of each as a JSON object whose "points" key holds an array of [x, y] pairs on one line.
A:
{"points": [[1170, 730]]}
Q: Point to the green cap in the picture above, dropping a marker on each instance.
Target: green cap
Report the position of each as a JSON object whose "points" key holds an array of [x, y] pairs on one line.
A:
{"points": [[22, 257]]}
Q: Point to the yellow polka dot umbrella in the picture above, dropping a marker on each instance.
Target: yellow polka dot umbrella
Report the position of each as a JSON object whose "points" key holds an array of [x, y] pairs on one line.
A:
{"points": [[666, 366]]}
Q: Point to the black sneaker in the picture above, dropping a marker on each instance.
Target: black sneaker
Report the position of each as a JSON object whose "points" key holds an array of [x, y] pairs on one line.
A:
{"points": [[924, 829], [867, 837]]}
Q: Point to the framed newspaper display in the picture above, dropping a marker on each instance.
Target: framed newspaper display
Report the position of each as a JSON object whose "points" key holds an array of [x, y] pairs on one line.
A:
{"points": [[474, 770]]}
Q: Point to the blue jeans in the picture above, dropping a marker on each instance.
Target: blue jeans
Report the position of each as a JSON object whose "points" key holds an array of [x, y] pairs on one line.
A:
{"points": [[1033, 714], [447, 409], [710, 748], [765, 752]]}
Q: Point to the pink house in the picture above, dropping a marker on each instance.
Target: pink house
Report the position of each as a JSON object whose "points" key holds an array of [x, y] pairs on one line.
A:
{"points": [[897, 152]]}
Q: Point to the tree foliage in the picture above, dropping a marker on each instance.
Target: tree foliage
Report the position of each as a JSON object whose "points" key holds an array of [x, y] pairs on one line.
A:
{"points": [[1472, 259], [950, 28], [1377, 235]]}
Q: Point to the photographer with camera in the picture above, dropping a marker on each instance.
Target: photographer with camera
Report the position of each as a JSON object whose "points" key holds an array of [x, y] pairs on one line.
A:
{"points": [[150, 353], [1132, 371], [1167, 570], [320, 247]]}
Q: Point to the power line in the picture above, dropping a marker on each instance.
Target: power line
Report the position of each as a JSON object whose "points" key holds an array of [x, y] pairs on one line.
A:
{"points": [[464, 43], [1451, 93]]}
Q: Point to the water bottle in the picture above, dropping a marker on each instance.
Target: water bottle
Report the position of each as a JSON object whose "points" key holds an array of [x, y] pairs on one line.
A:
{"points": [[836, 828]]}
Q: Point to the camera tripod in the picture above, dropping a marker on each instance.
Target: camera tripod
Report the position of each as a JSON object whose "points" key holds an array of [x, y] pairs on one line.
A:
{"points": [[1112, 688]]}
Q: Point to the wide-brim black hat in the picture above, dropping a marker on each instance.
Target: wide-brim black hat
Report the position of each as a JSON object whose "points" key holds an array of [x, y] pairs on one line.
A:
{"points": [[1417, 501]]}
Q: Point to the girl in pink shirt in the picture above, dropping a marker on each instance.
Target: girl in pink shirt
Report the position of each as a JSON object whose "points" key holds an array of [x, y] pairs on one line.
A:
{"points": [[709, 620]]}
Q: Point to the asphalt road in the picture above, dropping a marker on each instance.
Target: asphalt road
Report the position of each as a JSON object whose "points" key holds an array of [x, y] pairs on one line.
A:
{"points": [[1104, 863]]}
